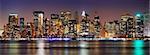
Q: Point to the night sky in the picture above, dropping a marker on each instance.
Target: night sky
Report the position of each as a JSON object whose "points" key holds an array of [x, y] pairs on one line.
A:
{"points": [[108, 10]]}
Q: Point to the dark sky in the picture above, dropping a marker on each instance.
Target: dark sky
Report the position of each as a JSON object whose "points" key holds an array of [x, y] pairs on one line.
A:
{"points": [[108, 10]]}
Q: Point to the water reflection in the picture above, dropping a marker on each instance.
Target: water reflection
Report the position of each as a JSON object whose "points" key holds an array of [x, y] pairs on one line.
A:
{"points": [[40, 47], [83, 49], [138, 47]]}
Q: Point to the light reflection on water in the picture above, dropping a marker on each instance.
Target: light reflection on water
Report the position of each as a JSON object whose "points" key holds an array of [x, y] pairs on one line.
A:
{"points": [[40, 47], [83, 50], [138, 47]]}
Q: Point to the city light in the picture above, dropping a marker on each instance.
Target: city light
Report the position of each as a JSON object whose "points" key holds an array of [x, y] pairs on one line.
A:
{"points": [[138, 15], [60, 26], [138, 45]]}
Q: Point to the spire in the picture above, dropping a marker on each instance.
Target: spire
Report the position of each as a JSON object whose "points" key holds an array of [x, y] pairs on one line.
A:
{"points": [[83, 13]]}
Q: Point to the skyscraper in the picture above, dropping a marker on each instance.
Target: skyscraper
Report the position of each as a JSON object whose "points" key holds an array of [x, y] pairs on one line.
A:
{"points": [[139, 26], [96, 25], [72, 27], [110, 29], [13, 19], [28, 30], [54, 24], [85, 25], [38, 21], [46, 26], [127, 25], [22, 24], [13, 24]]}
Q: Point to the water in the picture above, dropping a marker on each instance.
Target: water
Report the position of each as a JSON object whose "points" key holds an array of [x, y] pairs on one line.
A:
{"points": [[137, 47]]}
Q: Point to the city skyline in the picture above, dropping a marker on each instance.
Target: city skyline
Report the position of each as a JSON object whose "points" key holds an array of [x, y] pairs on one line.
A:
{"points": [[106, 10], [62, 25]]}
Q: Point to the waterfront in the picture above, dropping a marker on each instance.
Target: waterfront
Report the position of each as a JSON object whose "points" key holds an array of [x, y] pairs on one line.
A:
{"points": [[135, 47]]}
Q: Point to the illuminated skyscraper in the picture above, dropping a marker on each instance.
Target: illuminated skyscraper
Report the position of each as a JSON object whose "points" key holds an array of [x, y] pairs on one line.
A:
{"points": [[96, 25], [146, 17], [29, 30], [127, 25], [13, 18], [68, 15], [54, 24], [22, 24], [38, 21], [131, 27], [12, 24], [65, 17], [46, 26], [85, 24], [110, 29], [139, 25], [117, 27], [72, 27]]}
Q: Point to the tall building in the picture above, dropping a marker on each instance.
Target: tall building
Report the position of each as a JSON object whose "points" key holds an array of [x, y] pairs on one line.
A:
{"points": [[68, 15], [72, 28], [54, 24], [146, 20], [85, 25], [12, 24], [117, 27], [97, 25], [65, 17], [28, 30], [46, 26], [110, 29], [22, 24], [131, 27], [127, 25], [38, 21], [13, 19], [139, 25]]}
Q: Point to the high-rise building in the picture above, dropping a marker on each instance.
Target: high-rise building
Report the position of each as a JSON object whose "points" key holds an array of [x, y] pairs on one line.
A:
{"points": [[139, 25], [65, 17], [96, 25], [13, 19], [12, 24], [28, 29], [38, 21], [72, 28], [117, 27], [146, 20], [85, 25], [127, 25], [68, 15], [46, 26], [22, 24], [110, 29], [54, 24]]}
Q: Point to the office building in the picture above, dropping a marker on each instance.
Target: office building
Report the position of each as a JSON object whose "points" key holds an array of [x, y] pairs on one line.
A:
{"points": [[28, 30], [38, 21], [46, 26], [127, 25], [139, 26], [110, 29], [22, 24], [85, 25], [72, 28], [54, 24], [97, 26]]}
